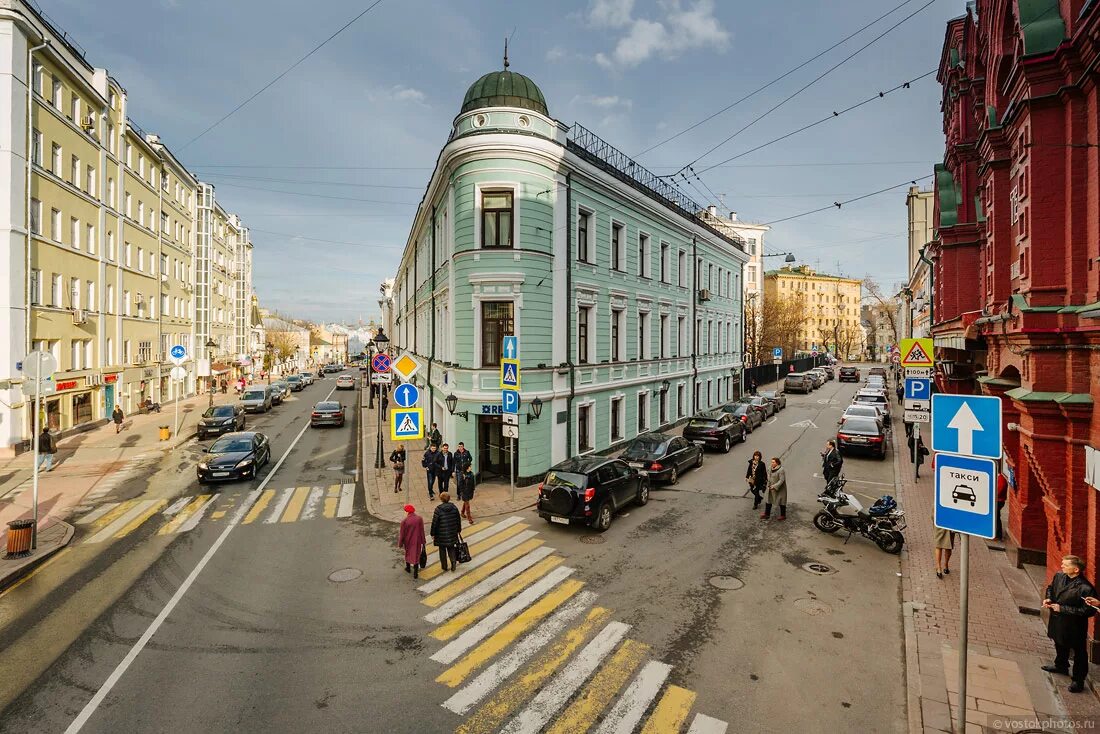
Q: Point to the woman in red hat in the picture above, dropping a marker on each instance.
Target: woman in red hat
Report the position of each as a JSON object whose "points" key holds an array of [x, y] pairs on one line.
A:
{"points": [[411, 538]]}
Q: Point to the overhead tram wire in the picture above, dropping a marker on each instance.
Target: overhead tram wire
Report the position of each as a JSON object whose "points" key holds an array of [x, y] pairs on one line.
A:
{"points": [[780, 78], [841, 204], [213, 174], [290, 68], [806, 86], [319, 196], [835, 114], [319, 239]]}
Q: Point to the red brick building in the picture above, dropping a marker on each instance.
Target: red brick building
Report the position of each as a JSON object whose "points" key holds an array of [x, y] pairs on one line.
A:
{"points": [[1016, 292]]}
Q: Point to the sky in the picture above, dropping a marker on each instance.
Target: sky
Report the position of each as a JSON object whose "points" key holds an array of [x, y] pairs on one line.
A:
{"points": [[353, 132]]}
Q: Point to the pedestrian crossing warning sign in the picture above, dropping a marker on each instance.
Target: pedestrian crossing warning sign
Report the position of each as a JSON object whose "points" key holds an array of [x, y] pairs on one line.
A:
{"points": [[916, 352], [406, 424], [509, 374]]}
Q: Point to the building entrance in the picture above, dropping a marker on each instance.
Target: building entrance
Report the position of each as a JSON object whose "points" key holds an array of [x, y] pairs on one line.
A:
{"points": [[493, 459]]}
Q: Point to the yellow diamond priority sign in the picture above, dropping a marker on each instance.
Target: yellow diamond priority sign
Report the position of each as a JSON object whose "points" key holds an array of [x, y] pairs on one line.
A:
{"points": [[916, 352], [405, 367]]}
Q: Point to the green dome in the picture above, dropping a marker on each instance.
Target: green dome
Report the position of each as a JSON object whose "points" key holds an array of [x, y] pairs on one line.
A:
{"points": [[504, 89]]}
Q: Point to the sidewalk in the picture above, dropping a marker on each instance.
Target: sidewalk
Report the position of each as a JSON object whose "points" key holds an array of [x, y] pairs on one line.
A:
{"points": [[491, 499], [1006, 690]]}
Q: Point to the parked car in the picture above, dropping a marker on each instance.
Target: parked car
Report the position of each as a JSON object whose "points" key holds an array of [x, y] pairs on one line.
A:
{"points": [[826, 370], [862, 410], [745, 415], [881, 371], [219, 419], [256, 399], [662, 457], [760, 403], [330, 369], [778, 399], [716, 429], [345, 382], [327, 413], [848, 374], [875, 397], [588, 490], [295, 383], [798, 382], [307, 377], [234, 456], [861, 434], [876, 381], [817, 377]]}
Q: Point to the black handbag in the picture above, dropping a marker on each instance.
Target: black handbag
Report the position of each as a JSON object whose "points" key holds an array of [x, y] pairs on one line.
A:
{"points": [[462, 551], [423, 558]]}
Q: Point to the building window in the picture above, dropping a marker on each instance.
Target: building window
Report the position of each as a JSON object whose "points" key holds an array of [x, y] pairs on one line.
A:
{"points": [[616, 419], [89, 295], [584, 225], [55, 291], [681, 268], [89, 232], [681, 336], [74, 109], [584, 425], [751, 246], [74, 232], [36, 216], [36, 77], [662, 402], [496, 219], [141, 260], [643, 412], [74, 171], [664, 338], [109, 357], [617, 253], [110, 304], [616, 334], [56, 92], [643, 255], [89, 179], [111, 246], [497, 322], [36, 287], [125, 303], [583, 315], [55, 155], [141, 165], [664, 262], [679, 401], [643, 334], [164, 222], [141, 213], [36, 147], [128, 251]]}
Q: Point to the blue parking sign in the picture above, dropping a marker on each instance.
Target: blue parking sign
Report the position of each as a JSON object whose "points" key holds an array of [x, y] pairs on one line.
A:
{"points": [[918, 388], [509, 401]]}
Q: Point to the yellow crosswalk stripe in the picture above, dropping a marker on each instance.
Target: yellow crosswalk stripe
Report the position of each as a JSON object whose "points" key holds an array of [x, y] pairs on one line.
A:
{"points": [[183, 515], [217, 515], [471, 614], [260, 506], [509, 633], [462, 583], [601, 690], [671, 712], [494, 712], [297, 502], [432, 571], [116, 513], [137, 521], [330, 506]]}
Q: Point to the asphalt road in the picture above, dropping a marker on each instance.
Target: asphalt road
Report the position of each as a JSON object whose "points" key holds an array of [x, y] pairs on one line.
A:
{"points": [[245, 627]]}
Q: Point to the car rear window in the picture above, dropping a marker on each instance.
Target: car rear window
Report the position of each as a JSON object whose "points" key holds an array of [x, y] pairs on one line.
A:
{"points": [[767, 395], [871, 398], [565, 479], [328, 406], [253, 395], [703, 422], [858, 424], [644, 447]]}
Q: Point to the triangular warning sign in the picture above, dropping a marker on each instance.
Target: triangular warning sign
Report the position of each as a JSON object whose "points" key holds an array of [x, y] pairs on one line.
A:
{"points": [[407, 425], [916, 355], [510, 374]]}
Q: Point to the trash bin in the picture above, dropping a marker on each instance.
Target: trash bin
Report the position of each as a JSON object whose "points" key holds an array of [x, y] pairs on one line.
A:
{"points": [[165, 433], [19, 538]]}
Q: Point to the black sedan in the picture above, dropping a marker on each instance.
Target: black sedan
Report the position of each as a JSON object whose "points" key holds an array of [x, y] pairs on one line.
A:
{"points": [[861, 434], [759, 402], [234, 456], [715, 429], [749, 417], [327, 413], [219, 419], [662, 457], [776, 398]]}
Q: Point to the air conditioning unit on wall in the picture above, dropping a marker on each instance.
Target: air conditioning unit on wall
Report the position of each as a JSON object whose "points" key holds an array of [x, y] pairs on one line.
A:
{"points": [[79, 317], [704, 294]]}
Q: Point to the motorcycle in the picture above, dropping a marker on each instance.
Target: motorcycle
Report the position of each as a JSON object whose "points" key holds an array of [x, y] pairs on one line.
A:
{"points": [[882, 523]]}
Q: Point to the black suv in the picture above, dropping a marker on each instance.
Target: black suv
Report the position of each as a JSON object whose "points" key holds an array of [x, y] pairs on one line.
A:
{"points": [[588, 490], [849, 374], [715, 429]]}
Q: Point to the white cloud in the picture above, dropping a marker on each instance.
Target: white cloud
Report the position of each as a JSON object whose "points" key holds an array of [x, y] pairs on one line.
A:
{"points": [[607, 102], [407, 94], [681, 29], [611, 13], [557, 53]]}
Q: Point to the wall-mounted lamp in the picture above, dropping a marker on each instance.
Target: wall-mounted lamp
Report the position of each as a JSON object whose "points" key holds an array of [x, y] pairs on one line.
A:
{"points": [[452, 403], [536, 410]]}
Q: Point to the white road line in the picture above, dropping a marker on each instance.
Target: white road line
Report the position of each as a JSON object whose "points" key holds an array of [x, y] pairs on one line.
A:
{"points": [[121, 522], [502, 614], [313, 503], [479, 560], [196, 516], [498, 579], [120, 669], [347, 498], [97, 513], [703, 724], [488, 680], [632, 705], [554, 694], [176, 506], [280, 505], [492, 530]]}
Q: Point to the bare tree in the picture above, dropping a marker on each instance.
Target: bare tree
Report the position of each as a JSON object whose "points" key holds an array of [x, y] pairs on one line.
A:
{"points": [[754, 328], [884, 308], [283, 346], [783, 318]]}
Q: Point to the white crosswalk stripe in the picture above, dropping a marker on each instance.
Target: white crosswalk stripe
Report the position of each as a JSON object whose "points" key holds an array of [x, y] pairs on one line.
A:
{"points": [[313, 503], [480, 560], [122, 521], [492, 530], [498, 579], [280, 505], [197, 516], [96, 513], [703, 724], [176, 506], [632, 705], [347, 499]]}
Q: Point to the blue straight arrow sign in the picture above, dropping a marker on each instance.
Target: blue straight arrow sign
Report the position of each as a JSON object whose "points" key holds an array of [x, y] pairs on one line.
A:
{"points": [[969, 425], [511, 347]]}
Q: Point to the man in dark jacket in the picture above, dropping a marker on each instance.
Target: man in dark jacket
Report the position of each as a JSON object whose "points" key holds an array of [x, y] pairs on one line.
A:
{"points": [[446, 525], [831, 461], [435, 438], [1069, 620], [445, 468], [430, 462], [463, 459], [46, 449]]}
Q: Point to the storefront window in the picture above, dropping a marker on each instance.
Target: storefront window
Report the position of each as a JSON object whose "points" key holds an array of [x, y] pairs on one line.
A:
{"points": [[82, 408]]}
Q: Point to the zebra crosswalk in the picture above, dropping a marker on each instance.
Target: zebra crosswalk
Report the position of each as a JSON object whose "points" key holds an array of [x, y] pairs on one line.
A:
{"points": [[527, 649], [113, 520]]}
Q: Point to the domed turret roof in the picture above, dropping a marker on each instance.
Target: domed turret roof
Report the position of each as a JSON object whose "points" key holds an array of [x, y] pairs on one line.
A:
{"points": [[504, 89]]}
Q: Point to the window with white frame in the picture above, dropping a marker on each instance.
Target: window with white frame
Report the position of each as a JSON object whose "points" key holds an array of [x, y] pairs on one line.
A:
{"points": [[618, 246], [89, 179], [681, 268], [56, 156], [584, 428], [584, 315], [36, 287], [36, 216], [37, 142], [36, 77], [141, 212], [679, 401], [110, 246], [141, 259], [129, 204], [56, 93], [109, 305], [125, 303], [74, 293], [109, 357], [89, 238], [89, 295], [681, 336], [128, 253], [664, 337], [617, 333], [584, 236], [618, 418], [74, 109], [74, 171], [665, 262], [110, 192], [643, 255], [74, 232], [127, 352], [643, 412]]}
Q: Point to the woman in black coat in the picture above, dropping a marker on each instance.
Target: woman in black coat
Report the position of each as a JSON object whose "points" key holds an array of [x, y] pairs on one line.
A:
{"points": [[446, 526], [1069, 620], [757, 477]]}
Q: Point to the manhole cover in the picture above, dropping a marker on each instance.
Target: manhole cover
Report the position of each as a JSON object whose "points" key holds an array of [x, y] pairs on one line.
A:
{"points": [[820, 569], [813, 607], [593, 539], [345, 574], [728, 583]]}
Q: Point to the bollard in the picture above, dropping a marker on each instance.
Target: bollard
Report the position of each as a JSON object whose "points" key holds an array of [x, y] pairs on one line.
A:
{"points": [[19, 538], [165, 433]]}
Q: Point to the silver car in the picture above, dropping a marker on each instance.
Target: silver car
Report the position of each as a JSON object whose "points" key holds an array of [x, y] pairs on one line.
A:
{"points": [[307, 377], [256, 399]]}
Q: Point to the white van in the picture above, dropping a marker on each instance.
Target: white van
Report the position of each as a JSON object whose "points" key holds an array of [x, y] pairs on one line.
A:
{"points": [[256, 399]]}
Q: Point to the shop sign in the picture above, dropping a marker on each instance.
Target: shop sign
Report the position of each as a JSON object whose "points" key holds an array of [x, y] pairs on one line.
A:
{"points": [[67, 385], [110, 378], [147, 372], [493, 409]]}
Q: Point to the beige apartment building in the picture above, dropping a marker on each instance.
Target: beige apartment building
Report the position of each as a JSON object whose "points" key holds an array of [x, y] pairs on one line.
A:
{"points": [[827, 309], [101, 223]]}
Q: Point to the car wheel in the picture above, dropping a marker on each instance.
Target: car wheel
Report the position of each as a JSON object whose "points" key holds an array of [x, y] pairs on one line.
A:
{"points": [[603, 517], [699, 461], [674, 476], [643, 492], [726, 445]]}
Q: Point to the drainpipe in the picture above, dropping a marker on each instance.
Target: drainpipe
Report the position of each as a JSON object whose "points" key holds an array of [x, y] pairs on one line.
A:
{"points": [[569, 312], [431, 346], [30, 167], [931, 286], [694, 336]]}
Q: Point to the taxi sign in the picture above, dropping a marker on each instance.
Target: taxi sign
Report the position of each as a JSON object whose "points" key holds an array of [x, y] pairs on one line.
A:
{"points": [[406, 424], [405, 367], [916, 352], [509, 374]]}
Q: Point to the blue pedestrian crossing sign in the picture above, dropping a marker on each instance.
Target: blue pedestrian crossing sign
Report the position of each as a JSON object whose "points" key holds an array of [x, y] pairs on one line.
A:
{"points": [[965, 494], [509, 401], [967, 424], [406, 395], [511, 347], [509, 374], [406, 424]]}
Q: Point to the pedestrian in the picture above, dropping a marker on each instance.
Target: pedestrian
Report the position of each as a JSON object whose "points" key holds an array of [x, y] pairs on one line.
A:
{"points": [[410, 537], [753, 383], [777, 490], [46, 449], [397, 459], [446, 468], [430, 461], [466, 484], [917, 455], [831, 461], [435, 438], [757, 478], [1067, 599], [446, 526], [385, 403], [901, 393], [225, 386], [944, 543], [1002, 498], [117, 416]]}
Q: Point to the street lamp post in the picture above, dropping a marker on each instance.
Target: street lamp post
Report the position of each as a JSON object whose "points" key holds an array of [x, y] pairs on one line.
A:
{"points": [[370, 384], [380, 342], [210, 346]]}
